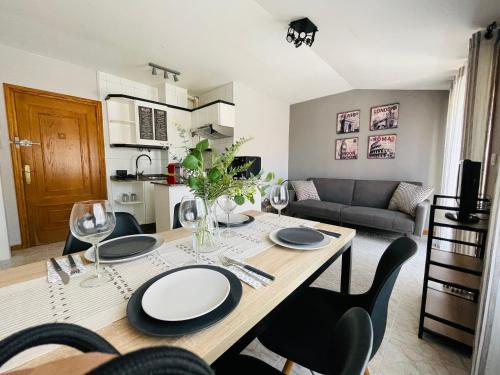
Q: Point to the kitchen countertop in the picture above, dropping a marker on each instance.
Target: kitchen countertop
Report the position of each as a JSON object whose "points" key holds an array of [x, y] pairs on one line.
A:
{"points": [[140, 178], [165, 183]]}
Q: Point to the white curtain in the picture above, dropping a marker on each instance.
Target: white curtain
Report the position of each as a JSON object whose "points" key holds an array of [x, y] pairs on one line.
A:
{"points": [[454, 132], [452, 146]]}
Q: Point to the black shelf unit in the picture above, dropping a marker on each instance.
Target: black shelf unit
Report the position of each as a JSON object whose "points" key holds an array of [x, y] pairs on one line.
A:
{"points": [[452, 280]]}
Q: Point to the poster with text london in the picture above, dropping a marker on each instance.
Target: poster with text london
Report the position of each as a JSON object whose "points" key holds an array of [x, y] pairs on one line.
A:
{"points": [[346, 149], [382, 146], [384, 117]]}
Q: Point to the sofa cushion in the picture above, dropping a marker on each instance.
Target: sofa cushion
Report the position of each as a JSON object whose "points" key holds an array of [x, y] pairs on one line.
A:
{"points": [[305, 190], [320, 209], [375, 193], [378, 218], [334, 189], [407, 197]]}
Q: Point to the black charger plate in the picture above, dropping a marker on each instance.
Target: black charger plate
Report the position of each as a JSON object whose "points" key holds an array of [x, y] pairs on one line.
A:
{"points": [[300, 236], [154, 327], [250, 219], [124, 247]]}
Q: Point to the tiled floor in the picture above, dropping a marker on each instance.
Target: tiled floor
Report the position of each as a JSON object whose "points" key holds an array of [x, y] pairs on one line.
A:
{"points": [[33, 254], [401, 352]]}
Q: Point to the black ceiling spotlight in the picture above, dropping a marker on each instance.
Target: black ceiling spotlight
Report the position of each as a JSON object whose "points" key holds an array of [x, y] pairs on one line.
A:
{"points": [[489, 30], [301, 31]]}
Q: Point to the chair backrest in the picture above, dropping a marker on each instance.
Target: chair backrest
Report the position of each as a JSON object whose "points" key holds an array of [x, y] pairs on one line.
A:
{"points": [[177, 223], [376, 299], [126, 225], [162, 360], [352, 340], [54, 333]]}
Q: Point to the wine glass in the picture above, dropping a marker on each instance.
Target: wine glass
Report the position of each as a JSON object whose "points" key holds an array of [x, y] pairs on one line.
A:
{"points": [[227, 204], [278, 197], [93, 221], [192, 214]]}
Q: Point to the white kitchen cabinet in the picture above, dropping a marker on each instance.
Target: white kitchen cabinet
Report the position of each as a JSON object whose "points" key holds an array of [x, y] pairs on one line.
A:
{"points": [[166, 197], [218, 113], [151, 123], [143, 208]]}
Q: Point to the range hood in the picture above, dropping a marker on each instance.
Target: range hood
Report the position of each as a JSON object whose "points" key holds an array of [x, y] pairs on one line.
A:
{"points": [[212, 131]]}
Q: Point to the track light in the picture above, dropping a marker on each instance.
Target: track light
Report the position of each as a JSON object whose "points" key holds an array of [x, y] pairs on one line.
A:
{"points": [[156, 67]]}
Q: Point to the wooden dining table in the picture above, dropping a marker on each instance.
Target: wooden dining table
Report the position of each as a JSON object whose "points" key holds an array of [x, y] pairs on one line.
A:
{"points": [[294, 270]]}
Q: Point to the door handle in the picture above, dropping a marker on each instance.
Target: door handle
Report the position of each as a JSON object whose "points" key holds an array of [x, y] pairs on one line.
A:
{"points": [[27, 174]]}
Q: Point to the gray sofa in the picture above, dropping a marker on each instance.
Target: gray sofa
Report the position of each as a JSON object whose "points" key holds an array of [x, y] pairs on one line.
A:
{"points": [[360, 202]]}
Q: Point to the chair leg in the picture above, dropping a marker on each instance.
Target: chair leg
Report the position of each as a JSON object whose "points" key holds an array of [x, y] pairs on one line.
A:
{"points": [[367, 372], [287, 368]]}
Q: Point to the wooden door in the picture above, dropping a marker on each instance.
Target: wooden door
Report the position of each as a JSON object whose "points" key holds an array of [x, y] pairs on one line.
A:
{"points": [[64, 165]]}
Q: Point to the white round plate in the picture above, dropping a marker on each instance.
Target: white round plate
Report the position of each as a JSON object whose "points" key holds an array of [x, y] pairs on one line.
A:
{"points": [[186, 294], [274, 237], [89, 253]]}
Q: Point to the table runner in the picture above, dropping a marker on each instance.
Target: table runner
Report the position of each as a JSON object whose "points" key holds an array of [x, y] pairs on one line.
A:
{"points": [[36, 301]]}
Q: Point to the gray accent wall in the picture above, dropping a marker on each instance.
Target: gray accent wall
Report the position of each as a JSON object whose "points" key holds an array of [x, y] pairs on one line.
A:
{"points": [[419, 147]]}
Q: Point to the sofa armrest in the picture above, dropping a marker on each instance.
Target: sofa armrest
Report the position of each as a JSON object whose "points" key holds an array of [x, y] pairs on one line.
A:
{"points": [[291, 195], [421, 217]]}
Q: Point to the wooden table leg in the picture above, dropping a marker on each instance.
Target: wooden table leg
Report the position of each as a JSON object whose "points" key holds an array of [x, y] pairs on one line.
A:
{"points": [[345, 278]]}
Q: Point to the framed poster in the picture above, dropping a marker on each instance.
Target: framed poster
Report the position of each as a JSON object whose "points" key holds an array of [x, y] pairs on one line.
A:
{"points": [[382, 146], [384, 117], [348, 122], [160, 125], [346, 148], [145, 122]]}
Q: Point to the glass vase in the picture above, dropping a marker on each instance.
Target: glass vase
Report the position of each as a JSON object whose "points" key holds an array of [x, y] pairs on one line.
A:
{"points": [[208, 235]]}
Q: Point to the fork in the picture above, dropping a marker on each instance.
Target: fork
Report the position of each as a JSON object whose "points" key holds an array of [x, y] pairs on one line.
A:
{"points": [[73, 267]]}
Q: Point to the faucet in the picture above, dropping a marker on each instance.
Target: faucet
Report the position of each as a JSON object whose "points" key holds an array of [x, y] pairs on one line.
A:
{"points": [[137, 173]]}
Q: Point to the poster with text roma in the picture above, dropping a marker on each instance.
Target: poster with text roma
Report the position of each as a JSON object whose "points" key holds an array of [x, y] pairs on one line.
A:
{"points": [[346, 148], [382, 146], [384, 117]]}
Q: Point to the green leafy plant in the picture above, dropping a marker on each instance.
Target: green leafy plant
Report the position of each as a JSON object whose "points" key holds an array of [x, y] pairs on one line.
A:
{"points": [[220, 178]]}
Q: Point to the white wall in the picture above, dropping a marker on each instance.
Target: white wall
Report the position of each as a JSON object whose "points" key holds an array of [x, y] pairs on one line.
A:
{"points": [[4, 241], [266, 120], [30, 70], [27, 69], [419, 146]]}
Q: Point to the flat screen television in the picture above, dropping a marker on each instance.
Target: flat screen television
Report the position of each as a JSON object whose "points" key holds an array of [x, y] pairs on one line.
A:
{"points": [[469, 175]]}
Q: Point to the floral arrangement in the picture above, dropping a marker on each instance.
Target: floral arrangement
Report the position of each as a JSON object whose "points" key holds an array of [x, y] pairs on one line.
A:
{"points": [[220, 178]]}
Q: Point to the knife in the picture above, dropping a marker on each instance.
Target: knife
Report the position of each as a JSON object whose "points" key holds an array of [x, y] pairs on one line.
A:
{"points": [[63, 275], [328, 233], [251, 268]]}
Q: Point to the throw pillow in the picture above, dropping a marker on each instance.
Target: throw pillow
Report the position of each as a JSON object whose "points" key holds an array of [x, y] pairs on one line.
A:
{"points": [[408, 196], [305, 190]]}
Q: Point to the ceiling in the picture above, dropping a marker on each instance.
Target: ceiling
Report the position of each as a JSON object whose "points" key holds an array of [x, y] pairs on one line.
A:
{"points": [[397, 44]]}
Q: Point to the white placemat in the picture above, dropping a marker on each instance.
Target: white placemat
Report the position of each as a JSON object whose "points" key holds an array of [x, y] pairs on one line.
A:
{"points": [[37, 301]]}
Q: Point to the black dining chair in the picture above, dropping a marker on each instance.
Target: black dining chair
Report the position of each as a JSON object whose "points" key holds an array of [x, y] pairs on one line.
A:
{"points": [[347, 350], [126, 225], [302, 329], [54, 333], [177, 223], [162, 360]]}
